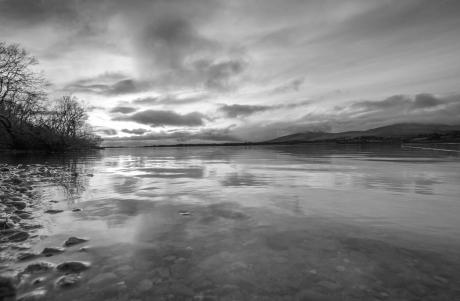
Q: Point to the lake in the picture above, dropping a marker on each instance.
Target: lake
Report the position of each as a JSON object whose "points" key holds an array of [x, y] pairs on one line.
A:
{"points": [[255, 223]]}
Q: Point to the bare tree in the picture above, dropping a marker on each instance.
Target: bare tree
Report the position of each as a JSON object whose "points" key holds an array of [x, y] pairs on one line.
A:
{"points": [[21, 89], [68, 117], [25, 112]]}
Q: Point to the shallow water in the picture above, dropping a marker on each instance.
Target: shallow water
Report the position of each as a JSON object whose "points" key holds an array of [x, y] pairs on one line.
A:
{"points": [[257, 223]]}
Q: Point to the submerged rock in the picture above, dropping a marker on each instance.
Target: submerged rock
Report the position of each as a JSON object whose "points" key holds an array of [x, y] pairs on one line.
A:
{"points": [[74, 241], [39, 267], [36, 295], [26, 256], [68, 280], [18, 236], [50, 251], [5, 224], [54, 211], [19, 204], [73, 266]]}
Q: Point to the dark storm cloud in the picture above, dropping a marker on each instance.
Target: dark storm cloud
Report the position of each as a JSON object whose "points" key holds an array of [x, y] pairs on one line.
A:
{"points": [[123, 110], [135, 131], [236, 110], [160, 118]]}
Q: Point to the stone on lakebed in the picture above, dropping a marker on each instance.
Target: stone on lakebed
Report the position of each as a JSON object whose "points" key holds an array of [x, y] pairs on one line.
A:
{"points": [[50, 251], [74, 241], [54, 211], [73, 266], [39, 267]]}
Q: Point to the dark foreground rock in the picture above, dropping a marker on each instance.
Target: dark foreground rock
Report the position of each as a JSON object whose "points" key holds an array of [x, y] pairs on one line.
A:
{"points": [[71, 241], [50, 251], [39, 267], [73, 266]]}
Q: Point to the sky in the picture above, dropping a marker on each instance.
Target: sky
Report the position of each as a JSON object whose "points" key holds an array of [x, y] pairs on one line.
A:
{"points": [[171, 71]]}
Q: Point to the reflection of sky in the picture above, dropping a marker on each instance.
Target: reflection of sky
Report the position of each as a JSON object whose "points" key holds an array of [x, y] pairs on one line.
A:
{"points": [[367, 186]]}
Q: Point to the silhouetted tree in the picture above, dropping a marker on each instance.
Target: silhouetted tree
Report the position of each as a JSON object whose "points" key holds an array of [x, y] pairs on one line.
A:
{"points": [[21, 89], [25, 110]]}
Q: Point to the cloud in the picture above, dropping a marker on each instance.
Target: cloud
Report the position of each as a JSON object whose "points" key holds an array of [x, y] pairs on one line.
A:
{"points": [[123, 110], [135, 131], [219, 75], [426, 101], [94, 86], [170, 99], [181, 136], [157, 118], [105, 131], [173, 52], [236, 110], [421, 108]]}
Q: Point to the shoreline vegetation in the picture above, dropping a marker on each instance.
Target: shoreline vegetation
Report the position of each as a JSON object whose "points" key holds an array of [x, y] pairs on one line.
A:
{"points": [[29, 120]]}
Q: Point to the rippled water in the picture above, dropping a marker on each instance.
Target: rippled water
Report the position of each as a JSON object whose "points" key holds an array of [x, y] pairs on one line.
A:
{"points": [[258, 223]]}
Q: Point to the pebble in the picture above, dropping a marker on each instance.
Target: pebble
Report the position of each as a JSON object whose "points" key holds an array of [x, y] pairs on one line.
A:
{"points": [[73, 241], [67, 281], [73, 266], [24, 215], [26, 256], [54, 211], [19, 204], [50, 251], [38, 267], [18, 236]]}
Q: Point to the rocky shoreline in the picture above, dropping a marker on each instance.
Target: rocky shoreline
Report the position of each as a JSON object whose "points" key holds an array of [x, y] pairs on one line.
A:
{"points": [[20, 229]]}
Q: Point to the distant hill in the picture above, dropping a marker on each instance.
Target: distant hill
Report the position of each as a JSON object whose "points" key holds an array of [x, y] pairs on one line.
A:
{"points": [[407, 132]]}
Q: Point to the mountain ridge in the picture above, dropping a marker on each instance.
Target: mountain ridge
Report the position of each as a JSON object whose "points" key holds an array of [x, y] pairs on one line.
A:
{"points": [[399, 131]]}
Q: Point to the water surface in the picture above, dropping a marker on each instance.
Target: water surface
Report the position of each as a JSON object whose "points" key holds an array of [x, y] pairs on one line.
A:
{"points": [[258, 223]]}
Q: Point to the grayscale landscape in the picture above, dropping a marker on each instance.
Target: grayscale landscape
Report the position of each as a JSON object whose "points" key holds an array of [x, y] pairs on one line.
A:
{"points": [[229, 150]]}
